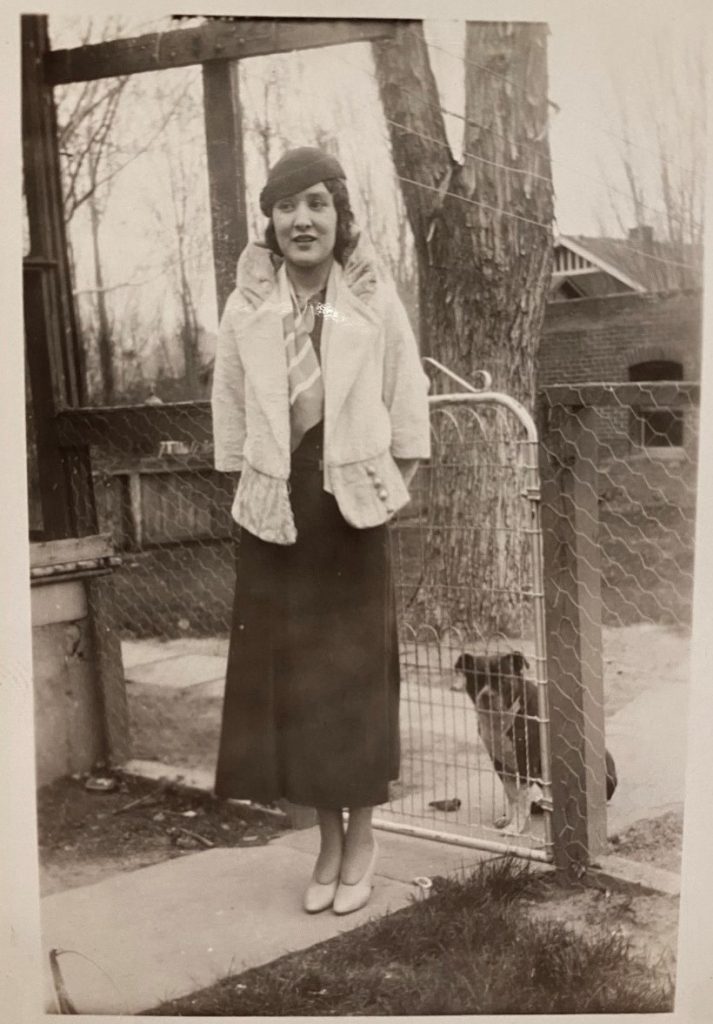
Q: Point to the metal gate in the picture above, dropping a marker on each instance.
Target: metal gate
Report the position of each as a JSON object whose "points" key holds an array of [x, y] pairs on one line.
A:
{"points": [[468, 568]]}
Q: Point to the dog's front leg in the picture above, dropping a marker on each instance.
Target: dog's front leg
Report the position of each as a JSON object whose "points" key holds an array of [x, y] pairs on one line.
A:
{"points": [[516, 821]]}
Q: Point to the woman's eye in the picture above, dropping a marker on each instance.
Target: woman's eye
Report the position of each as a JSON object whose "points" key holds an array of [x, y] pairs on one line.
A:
{"points": [[284, 207]]}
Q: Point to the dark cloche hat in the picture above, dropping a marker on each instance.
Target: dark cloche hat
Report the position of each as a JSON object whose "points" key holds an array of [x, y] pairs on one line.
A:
{"points": [[297, 169]]}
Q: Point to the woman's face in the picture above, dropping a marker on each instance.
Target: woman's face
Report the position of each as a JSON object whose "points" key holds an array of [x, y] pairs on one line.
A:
{"points": [[306, 226]]}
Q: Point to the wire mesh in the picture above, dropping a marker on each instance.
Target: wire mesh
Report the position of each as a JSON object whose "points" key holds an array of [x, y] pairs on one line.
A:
{"points": [[167, 512], [645, 437], [618, 522], [469, 581], [467, 564], [463, 566]]}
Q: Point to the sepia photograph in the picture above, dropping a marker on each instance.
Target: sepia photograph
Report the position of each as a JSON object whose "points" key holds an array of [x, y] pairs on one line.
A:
{"points": [[363, 361]]}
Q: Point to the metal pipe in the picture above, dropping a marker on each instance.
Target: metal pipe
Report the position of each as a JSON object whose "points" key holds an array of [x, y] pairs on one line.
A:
{"points": [[487, 379], [538, 601], [470, 842], [482, 398]]}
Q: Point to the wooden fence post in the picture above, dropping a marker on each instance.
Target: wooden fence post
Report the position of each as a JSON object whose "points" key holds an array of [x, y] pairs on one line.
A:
{"points": [[52, 343], [226, 172], [570, 525], [110, 669]]}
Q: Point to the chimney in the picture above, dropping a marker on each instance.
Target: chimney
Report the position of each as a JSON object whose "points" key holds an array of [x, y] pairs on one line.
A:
{"points": [[642, 236]]}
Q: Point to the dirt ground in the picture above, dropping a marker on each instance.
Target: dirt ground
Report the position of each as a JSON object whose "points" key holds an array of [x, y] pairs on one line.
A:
{"points": [[648, 921], [85, 836], [656, 841]]}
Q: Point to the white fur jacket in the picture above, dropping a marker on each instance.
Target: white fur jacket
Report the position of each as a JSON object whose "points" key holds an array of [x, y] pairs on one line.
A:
{"points": [[376, 404]]}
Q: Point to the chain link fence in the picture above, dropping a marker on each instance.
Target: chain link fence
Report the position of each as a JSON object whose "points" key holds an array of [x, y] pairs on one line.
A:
{"points": [[464, 552], [468, 569], [618, 465], [619, 468], [167, 512]]}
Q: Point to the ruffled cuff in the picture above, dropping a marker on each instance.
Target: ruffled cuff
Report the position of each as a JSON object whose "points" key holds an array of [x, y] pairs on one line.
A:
{"points": [[262, 506]]}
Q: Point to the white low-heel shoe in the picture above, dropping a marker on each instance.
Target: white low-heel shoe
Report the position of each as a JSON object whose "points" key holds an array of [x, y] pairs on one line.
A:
{"points": [[319, 895], [355, 895]]}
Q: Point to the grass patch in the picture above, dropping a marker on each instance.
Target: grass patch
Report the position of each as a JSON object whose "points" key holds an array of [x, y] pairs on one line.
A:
{"points": [[472, 948]]}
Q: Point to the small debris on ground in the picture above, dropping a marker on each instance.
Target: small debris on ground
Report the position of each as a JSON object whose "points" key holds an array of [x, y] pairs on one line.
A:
{"points": [[446, 805], [142, 801], [424, 886], [86, 835], [101, 783], [185, 842]]}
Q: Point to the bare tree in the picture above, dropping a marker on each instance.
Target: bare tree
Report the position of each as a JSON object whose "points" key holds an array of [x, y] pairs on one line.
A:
{"points": [[94, 150], [262, 101], [86, 115], [181, 216], [661, 159], [484, 248]]}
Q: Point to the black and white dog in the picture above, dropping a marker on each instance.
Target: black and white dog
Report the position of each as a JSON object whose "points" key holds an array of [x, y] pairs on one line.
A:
{"points": [[506, 705]]}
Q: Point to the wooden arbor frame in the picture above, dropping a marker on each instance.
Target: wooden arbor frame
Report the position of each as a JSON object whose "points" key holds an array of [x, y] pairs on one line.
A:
{"points": [[65, 426], [53, 351]]}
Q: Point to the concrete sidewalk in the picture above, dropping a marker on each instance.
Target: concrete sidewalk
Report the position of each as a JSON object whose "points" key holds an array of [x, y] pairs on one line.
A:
{"points": [[142, 937]]}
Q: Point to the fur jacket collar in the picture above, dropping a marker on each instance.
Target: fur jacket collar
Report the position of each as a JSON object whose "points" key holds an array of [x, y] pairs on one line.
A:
{"points": [[258, 267]]}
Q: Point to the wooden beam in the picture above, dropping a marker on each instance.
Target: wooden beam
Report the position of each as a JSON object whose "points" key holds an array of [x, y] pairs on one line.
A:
{"points": [[570, 527], [43, 193], [109, 669], [73, 549], [40, 347], [226, 172], [248, 37], [655, 394], [51, 339]]}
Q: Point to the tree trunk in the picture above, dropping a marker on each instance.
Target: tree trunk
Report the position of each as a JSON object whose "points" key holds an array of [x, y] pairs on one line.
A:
{"points": [[484, 246], [104, 340], [189, 339]]}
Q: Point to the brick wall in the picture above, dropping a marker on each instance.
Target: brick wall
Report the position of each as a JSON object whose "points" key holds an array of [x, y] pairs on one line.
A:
{"points": [[589, 340], [598, 339]]}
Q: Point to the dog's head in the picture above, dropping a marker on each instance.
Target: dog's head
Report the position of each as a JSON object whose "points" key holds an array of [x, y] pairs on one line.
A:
{"points": [[479, 671]]}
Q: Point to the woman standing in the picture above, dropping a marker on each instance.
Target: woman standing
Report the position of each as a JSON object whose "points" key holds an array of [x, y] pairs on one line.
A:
{"points": [[320, 406]]}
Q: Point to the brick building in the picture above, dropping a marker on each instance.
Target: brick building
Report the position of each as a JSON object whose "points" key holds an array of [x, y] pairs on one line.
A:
{"points": [[617, 315]]}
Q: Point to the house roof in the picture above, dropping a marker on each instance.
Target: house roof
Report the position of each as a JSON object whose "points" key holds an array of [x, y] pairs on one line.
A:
{"points": [[662, 266]]}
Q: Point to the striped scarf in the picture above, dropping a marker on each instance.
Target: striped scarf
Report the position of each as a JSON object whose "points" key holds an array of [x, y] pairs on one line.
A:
{"points": [[304, 375]]}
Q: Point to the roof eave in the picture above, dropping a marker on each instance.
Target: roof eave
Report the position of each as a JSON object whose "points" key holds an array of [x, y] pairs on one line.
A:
{"points": [[608, 268]]}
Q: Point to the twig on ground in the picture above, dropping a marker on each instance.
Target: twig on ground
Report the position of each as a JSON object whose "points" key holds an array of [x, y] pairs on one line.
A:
{"points": [[196, 835], [142, 801]]}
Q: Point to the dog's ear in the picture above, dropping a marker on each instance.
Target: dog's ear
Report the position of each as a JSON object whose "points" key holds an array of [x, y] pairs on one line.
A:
{"points": [[465, 663], [519, 661]]}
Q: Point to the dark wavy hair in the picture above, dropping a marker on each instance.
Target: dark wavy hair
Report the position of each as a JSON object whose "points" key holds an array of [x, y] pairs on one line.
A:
{"points": [[344, 240]]}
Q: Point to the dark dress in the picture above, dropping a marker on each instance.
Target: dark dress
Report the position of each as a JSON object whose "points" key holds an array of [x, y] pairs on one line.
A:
{"points": [[312, 688]]}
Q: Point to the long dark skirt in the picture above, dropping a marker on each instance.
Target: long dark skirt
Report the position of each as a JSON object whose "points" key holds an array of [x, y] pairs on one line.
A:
{"points": [[312, 689]]}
